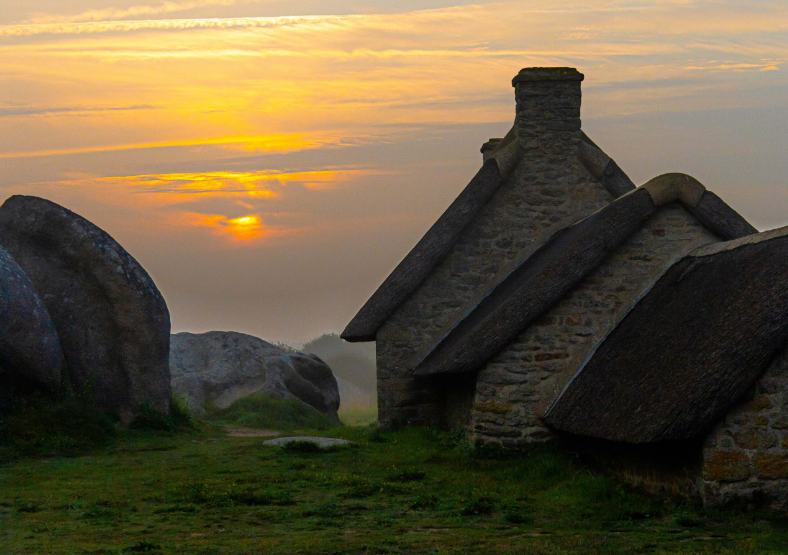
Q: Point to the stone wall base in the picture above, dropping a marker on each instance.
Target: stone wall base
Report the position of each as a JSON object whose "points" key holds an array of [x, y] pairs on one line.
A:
{"points": [[769, 495]]}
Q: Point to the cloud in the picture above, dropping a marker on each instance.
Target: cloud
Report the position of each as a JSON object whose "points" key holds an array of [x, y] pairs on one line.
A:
{"points": [[94, 27], [21, 111], [134, 11], [575, 21], [773, 65], [272, 142], [242, 228], [253, 184]]}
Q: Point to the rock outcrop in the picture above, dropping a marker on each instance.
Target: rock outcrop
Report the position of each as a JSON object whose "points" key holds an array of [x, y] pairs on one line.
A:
{"points": [[29, 346], [112, 322], [219, 367]]}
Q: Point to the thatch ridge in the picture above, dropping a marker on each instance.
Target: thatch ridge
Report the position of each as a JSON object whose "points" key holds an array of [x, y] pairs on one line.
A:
{"points": [[603, 167], [553, 269]]}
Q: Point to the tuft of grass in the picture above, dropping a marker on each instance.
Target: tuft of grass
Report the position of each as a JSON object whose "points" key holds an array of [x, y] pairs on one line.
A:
{"points": [[263, 411], [518, 516], [153, 420], [256, 498], [478, 505], [408, 476], [424, 502], [142, 547], [179, 414]]}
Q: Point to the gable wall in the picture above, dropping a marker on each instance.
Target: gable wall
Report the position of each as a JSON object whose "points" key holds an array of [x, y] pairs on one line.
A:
{"points": [[517, 386], [745, 457], [540, 197]]}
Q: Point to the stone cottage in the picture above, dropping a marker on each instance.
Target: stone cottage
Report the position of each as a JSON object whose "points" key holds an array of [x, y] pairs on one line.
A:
{"points": [[554, 299]]}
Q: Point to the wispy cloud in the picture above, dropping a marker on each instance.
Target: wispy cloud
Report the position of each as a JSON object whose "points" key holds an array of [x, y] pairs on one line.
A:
{"points": [[21, 111], [259, 184], [109, 26], [773, 65], [141, 10], [253, 143], [279, 84]]}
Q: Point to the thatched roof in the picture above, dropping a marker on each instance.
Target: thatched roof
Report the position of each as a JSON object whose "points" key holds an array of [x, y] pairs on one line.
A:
{"points": [[604, 168], [441, 237], [557, 266], [688, 349]]}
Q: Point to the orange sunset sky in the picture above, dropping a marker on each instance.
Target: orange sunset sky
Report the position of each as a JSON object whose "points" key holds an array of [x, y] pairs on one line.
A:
{"points": [[270, 161]]}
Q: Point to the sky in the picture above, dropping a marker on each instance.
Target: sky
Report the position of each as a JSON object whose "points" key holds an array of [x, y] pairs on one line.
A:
{"points": [[269, 162]]}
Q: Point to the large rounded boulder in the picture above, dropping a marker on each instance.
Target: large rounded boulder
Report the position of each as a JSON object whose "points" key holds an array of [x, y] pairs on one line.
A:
{"points": [[112, 322], [29, 347], [219, 367]]}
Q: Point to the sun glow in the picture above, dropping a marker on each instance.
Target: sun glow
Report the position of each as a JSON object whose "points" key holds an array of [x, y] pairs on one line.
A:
{"points": [[243, 228]]}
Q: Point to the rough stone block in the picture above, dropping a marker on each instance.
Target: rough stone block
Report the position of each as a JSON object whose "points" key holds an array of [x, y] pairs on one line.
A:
{"points": [[727, 466], [771, 466], [755, 438]]}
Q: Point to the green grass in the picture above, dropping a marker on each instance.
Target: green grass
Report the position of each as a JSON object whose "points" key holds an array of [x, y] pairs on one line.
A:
{"points": [[151, 419], [413, 491], [262, 411], [45, 424]]}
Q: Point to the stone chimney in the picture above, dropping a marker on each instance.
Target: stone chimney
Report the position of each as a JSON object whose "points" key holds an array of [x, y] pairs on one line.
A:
{"points": [[548, 110]]}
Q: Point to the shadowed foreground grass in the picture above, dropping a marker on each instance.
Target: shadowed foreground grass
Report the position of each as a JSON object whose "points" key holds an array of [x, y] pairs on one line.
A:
{"points": [[414, 491]]}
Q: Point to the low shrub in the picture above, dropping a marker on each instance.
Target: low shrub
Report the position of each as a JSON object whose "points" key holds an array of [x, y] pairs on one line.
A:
{"points": [[151, 419]]}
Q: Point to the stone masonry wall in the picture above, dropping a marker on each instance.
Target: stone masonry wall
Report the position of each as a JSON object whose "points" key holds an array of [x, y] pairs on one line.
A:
{"points": [[548, 190], [745, 457], [517, 386]]}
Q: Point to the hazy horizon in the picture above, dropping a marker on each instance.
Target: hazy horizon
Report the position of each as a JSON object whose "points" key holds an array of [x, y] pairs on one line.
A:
{"points": [[269, 162]]}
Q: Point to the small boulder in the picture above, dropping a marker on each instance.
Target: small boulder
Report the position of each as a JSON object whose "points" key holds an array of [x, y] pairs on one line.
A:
{"points": [[320, 442], [112, 322], [219, 367], [29, 346], [318, 373]]}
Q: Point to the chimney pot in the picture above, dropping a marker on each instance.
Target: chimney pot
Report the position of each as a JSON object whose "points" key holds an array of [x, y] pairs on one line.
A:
{"points": [[547, 74], [548, 109]]}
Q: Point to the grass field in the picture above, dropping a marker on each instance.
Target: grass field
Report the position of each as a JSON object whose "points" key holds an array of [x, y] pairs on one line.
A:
{"points": [[413, 491]]}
